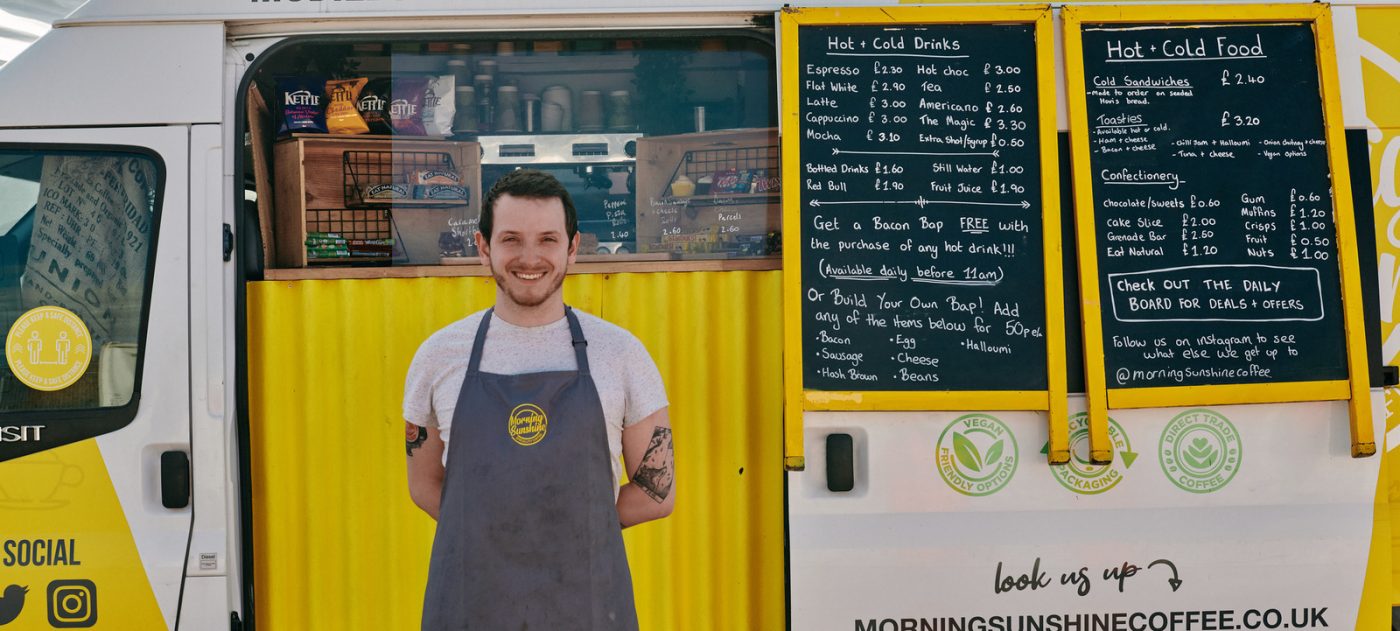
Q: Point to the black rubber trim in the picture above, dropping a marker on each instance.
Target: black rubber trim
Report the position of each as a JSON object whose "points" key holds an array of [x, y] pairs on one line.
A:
{"points": [[67, 426]]}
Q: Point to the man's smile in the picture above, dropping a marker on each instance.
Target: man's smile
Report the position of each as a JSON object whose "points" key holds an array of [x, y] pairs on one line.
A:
{"points": [[525, 276]]}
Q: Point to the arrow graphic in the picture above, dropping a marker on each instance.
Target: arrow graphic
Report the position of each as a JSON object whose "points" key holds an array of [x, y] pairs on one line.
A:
{"points": [[1128, 458], [1175, 580], [993, 153], [921, 202]]}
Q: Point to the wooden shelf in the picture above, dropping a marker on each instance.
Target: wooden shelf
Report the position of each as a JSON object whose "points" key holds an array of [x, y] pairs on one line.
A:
{"points": [[725, 199], [415, 203], [759, 264], [340, 261]]}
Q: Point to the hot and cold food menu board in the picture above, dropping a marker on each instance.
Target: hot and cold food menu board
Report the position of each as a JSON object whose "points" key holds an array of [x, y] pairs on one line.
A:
{"points": [[922, 258], [1212, 210]]}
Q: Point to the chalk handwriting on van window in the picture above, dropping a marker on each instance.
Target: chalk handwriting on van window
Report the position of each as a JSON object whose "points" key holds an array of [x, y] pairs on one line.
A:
{"points": [[923, 253], [1186, 49], [1206, 277], [1081, 579]]}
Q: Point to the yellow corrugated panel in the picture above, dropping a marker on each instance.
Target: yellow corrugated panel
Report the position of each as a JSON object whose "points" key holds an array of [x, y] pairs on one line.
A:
{"points": [[1379, 30], [338, 543]]}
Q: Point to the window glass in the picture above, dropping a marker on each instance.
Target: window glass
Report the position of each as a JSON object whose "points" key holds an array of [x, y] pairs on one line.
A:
{"points": [[378, 152], [76, 240]]}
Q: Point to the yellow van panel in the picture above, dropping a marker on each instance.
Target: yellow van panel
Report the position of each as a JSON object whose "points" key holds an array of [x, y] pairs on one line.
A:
{"points": [[1379, 30], [338, 544]]}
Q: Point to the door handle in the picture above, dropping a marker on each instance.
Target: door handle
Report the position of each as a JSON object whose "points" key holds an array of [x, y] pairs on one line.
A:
{"points": [[174, 479], [840, 463]]}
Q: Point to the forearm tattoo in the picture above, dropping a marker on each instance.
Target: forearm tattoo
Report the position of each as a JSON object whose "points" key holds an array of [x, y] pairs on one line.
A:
{"points": [[655, 475], [416, 436]]}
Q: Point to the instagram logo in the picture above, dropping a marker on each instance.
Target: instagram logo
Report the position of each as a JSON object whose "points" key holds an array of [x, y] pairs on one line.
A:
{"points": [[72, 604]]}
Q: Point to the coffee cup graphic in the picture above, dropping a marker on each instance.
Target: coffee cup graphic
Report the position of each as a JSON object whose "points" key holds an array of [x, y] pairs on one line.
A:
{"points": [[37, 481]]}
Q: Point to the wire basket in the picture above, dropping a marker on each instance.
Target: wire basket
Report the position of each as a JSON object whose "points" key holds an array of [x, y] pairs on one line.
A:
{"points": [[365, 171], [746, 172]]}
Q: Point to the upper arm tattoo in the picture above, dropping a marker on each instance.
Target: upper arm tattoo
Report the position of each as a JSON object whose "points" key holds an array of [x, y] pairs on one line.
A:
{"points": [[655, 475], [416, 435]]}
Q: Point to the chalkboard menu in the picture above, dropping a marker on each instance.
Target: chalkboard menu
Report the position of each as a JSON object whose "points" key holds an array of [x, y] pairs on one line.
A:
{"points": [[921, 240], [1215, 242]]}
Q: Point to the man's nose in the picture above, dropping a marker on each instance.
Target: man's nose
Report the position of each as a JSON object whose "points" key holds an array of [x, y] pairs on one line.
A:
{"points": [[532, 252]]}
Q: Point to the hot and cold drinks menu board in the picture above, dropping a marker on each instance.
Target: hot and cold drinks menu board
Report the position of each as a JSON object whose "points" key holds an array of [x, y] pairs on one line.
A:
{"points": [[1215, 241], [922, 249]]}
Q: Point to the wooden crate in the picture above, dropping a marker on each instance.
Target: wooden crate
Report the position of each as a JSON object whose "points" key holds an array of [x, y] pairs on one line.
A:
{"points": [[708, 221], [315, 191]]}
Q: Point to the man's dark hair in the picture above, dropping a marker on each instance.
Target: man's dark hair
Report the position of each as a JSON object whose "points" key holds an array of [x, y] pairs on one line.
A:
{"points": [[528, 184]]}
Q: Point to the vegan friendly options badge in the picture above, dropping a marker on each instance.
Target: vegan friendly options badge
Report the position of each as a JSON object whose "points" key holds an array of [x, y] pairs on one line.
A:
{"points": [[977, 454], [48, 348]]}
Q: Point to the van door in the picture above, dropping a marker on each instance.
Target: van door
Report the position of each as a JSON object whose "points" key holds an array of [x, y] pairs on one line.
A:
{"points": [[94, 389]]}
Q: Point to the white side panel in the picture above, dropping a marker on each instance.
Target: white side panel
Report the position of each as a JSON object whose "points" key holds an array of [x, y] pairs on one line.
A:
{"points": [[204, 589], [1289, 531], [212, 431], [103, 10], [132, 454], [116, 75], [286, 9]]}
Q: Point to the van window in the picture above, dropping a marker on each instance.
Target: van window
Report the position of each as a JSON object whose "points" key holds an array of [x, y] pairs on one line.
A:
{"points": [[380, 151], [76, 242]]}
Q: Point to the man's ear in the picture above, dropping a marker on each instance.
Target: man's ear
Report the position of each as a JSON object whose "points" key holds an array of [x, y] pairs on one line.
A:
{"points": [[573, 246], [483, 249]]}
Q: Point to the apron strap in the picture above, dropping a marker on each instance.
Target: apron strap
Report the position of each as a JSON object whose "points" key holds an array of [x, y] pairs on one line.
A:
{"points": [[580, 344], [474, 364]]}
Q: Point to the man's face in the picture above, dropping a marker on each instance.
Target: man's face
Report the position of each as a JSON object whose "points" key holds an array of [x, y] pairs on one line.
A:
{"points": [[529, 250]]}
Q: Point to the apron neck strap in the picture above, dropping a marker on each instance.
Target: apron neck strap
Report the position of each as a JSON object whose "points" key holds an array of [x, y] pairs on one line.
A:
{"points": [[575, 332], [474, 364], [580, 344]]}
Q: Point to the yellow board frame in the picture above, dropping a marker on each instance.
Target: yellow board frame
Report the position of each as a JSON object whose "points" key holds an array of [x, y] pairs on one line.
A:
{"points": [[1053, 400], [1356, 388]]}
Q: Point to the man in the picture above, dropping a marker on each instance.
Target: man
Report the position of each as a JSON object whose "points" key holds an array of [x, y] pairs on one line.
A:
{"points": [[536, 402]]}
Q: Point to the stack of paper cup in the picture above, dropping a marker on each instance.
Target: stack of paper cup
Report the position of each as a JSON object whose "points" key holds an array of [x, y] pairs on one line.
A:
{"points": [[590, 111], [557, 109]]}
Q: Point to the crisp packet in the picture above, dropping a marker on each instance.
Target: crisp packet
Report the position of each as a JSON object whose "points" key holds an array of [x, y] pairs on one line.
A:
{"points": [[300, 105], [406, 106], [342, 113]]}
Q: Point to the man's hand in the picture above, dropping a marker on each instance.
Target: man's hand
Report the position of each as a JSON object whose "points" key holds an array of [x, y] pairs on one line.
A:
{"points": [[425, 471], [648, 455]]}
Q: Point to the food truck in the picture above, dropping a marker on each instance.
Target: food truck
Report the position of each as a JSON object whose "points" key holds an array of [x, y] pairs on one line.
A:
{"points": [[971, 316]]}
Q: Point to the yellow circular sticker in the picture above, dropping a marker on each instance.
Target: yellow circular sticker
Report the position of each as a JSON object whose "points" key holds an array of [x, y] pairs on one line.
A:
{"points": [[48, 348], [527, 424]]}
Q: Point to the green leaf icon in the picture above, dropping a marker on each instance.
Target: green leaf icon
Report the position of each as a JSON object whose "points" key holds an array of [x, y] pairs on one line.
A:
{"points": [[1200, 454], [966, 452], [994, 452]]}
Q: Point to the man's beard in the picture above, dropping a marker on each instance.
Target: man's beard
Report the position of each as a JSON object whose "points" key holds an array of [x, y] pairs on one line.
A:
{"points": [[524, 301]]}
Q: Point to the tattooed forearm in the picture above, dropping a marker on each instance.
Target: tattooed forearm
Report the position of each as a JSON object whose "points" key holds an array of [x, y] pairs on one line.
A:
{"points": [[416, 436], [656, 474]]}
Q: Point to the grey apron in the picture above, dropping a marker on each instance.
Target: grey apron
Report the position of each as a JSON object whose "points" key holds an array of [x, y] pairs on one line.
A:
{"points": [[527, 535]]}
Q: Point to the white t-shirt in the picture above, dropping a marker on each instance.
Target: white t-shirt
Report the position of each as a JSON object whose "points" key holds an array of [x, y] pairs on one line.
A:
{"points": [[628, 382]]}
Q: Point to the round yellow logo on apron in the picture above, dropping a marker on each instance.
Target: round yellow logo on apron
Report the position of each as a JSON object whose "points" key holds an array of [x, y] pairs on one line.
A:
{"points": [[48, 348], [527, 424]]}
